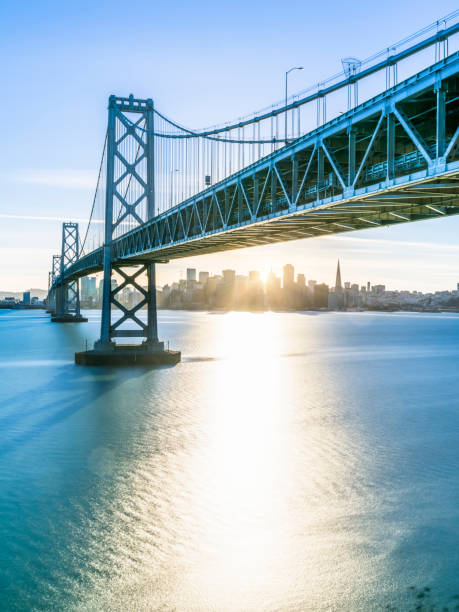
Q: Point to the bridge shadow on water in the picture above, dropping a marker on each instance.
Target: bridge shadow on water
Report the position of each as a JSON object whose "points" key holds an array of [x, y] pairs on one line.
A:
{"points": [[70, 390]]}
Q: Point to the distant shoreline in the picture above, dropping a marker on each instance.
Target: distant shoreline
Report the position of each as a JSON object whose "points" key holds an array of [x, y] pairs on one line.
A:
{"points": [[22, 307], [262, 311]]}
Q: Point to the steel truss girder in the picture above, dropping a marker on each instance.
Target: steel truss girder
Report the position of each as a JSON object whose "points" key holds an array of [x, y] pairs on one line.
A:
{"points": [[252, 206]]}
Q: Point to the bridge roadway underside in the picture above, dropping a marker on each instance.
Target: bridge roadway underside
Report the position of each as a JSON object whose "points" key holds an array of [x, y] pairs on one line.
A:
{"points": [[393, 159]]}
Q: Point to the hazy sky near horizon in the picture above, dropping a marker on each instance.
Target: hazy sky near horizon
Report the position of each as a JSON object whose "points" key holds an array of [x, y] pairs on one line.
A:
{"points": [[203, 63]]}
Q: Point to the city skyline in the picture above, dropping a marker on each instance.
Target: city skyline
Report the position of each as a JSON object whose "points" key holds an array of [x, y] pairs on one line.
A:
{"points": [[292, 290], [179, 272]]}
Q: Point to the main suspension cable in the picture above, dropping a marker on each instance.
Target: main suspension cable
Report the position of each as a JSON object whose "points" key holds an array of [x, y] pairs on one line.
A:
{"points": [[95, 194]]}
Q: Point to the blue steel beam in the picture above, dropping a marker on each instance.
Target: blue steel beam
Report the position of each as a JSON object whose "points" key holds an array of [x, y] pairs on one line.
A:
{"points": [[391, 170]]}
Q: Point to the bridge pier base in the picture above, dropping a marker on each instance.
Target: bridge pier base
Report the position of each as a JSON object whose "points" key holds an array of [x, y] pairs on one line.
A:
{"points": [[68, 318], [128, 355]]}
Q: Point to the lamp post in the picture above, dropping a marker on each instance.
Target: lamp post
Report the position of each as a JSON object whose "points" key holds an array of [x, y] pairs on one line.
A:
{"points": [[286, 92]]}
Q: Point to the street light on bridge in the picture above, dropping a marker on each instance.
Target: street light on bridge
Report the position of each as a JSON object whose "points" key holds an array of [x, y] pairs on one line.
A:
{"points": [[286, 92]]}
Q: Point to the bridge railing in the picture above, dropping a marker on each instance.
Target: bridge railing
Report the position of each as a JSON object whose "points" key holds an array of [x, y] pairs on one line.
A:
{"points": [[188, 161], [397, 62]]}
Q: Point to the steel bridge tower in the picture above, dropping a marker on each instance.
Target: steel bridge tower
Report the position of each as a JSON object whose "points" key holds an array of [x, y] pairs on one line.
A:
{"points": [[52, 290], [129, 202], [66, 295]]}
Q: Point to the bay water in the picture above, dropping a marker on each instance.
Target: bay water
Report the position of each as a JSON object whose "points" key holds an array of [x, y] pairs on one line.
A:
{"points": [[290, 462]]}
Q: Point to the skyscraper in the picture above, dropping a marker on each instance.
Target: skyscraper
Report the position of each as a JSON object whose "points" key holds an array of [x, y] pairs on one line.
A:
{"points": [[338, 285], [203, 277], [337, 296], [190, 275], [88, 288], [289, 274]]}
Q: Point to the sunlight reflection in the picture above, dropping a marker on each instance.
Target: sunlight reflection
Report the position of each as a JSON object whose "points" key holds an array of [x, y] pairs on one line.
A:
{"points": [[240, 488], [249, 337], [244, 463]]}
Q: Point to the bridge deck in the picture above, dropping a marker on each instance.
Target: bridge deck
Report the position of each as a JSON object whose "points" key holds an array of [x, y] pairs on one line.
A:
{"points": [[393, 159]]}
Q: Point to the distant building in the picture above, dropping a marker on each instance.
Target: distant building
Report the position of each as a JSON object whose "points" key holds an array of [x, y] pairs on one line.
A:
{"points": [[288, 287], [190, 275], [273, 290], [88, 289], [288, 276], [338, 285], [26, 298], [224, 295], [241, 285], [240, 292], [229, 276], [203, 277], [321, 294], [211, 289], [336, 298], [255, 299]]}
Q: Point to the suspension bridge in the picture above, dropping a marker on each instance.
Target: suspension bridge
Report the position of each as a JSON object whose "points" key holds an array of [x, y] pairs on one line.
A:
{"points": [[374, 145]]}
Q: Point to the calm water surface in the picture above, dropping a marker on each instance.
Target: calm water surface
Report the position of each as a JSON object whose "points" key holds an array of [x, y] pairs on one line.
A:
{"points": [[291, 462]]}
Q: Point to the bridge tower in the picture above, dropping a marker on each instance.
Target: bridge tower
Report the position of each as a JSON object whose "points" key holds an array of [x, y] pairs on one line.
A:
{"points": [[67, 293], [129, 201], [52, 282], [48, 298]]}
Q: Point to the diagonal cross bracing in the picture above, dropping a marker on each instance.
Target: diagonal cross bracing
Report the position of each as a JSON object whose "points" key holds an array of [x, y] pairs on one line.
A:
{"points": [[283, 196]]}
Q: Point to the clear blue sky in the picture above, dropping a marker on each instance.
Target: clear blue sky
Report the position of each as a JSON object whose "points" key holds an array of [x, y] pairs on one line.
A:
{"points": [[203, 63]]}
